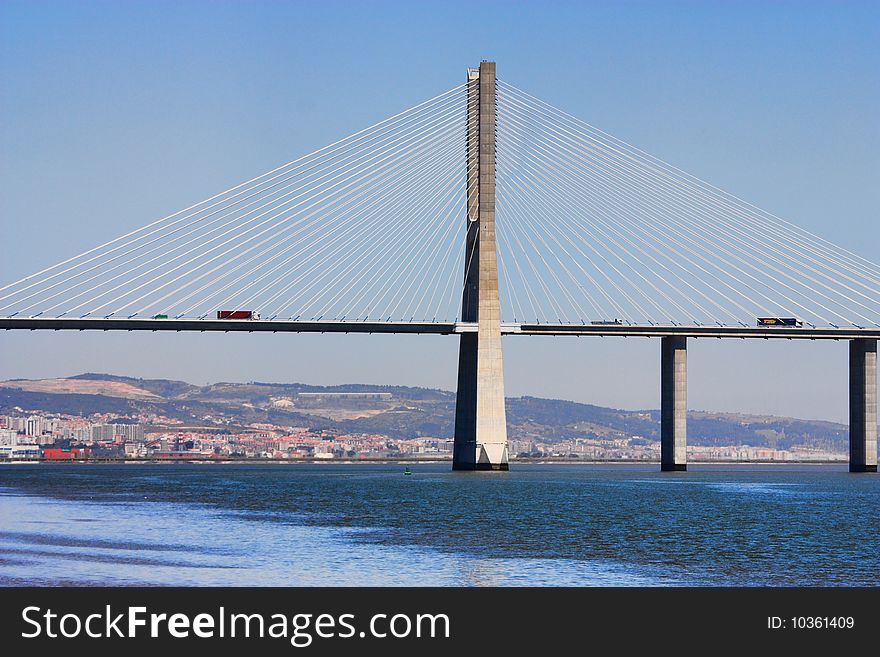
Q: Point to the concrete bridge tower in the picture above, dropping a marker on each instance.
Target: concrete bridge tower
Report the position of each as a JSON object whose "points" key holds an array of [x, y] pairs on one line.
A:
{"points": [[480, 419]]}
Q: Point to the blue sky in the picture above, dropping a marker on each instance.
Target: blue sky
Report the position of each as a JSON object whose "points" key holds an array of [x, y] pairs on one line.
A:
{"points": [[114, 114]]}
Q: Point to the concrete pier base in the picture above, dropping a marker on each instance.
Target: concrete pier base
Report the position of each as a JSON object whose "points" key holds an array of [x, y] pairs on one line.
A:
{"points": [[480, 419], [863, 405], [673, 404]]}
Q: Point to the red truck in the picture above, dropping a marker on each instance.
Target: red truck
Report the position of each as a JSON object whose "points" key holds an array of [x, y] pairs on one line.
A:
{"points": [[237, 314]]}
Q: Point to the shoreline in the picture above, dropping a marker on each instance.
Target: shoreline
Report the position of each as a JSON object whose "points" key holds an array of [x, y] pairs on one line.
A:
{"points": [[391, 461]]}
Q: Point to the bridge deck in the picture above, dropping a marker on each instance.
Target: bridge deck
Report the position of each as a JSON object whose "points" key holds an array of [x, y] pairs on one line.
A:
{"points": [[435, 328]]}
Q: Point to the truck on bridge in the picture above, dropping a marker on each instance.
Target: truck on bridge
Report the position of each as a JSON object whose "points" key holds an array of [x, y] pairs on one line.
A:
{"points": [[237, 314], [780, 321]]}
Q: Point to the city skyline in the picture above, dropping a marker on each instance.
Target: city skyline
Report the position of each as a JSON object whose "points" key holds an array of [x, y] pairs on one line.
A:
{"points": [[52, 436]]}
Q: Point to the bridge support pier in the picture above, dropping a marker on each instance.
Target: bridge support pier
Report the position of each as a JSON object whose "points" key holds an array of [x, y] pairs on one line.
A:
{"points": [[673, 404], [480, 418], [863, 405]]}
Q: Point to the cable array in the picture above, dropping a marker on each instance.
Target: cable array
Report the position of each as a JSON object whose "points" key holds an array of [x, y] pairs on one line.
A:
{"points": [[368, 228], [372, 228], [591, 228]]}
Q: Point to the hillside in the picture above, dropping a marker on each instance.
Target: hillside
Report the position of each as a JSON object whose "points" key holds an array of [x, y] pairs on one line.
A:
{"points": [[397, 411]]}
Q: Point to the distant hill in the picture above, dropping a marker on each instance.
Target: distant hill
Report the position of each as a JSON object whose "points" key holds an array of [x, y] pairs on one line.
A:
{"points": [[398, 411], [161, 387]]}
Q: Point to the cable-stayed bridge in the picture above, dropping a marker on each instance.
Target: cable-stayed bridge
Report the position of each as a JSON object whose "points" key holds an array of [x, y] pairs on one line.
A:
{"points": [[481, 212]]}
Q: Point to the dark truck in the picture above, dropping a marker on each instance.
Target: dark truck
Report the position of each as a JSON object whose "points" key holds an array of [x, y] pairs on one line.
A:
{"points": [[780, 321]]}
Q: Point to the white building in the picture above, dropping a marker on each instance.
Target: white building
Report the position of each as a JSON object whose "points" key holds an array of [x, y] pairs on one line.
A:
{"points": [[19, 452], [34, 426], [8, 437]]}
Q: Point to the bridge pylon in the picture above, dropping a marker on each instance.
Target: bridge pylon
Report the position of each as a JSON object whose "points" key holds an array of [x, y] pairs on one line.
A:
{"points": [[480, 418], [863, 405], [673, 404]]}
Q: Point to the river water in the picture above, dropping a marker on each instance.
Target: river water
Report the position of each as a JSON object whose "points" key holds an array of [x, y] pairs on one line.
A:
{"points": [[364, 524]]}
